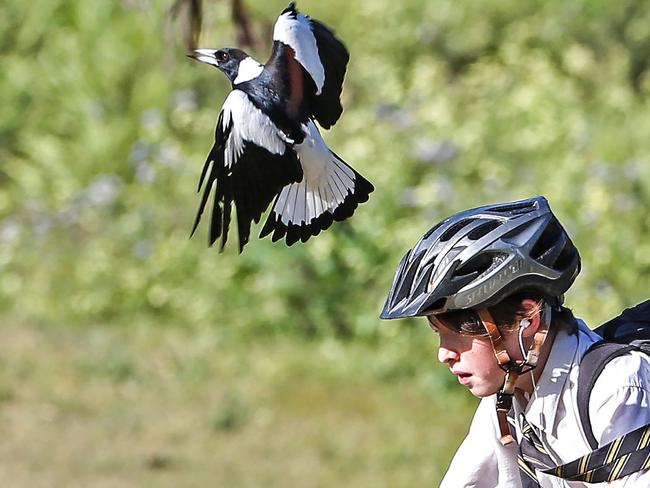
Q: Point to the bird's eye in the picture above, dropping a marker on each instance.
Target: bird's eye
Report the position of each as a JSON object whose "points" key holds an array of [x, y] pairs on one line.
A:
{"points": [[222, 56]]}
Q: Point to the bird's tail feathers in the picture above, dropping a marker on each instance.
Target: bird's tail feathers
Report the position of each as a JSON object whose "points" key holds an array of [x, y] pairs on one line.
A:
{"points": [[306, 208]]}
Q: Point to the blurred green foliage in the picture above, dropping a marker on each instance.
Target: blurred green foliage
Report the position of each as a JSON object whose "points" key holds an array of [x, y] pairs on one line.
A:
{"points": [[448, 105]]}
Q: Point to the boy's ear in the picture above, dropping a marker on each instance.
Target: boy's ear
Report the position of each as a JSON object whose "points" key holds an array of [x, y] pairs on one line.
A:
{"points": [[532, 309]]}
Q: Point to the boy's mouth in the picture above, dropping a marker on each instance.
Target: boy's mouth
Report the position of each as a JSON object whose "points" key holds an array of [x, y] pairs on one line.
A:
{"points": [[463, 378]]}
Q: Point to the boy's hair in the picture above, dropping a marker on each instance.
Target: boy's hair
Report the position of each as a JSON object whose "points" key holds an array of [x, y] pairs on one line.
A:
{"points": [[506, 314]]}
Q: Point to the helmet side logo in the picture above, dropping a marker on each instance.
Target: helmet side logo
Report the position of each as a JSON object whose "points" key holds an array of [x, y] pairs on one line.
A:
{"points": [[503, 276]]}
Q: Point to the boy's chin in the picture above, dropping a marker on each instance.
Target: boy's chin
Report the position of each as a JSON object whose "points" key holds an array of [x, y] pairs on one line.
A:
{"points": [[482, 391]]}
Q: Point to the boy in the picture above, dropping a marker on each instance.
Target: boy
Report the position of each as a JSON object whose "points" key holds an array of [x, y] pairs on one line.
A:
{"points": [[491, 282]]}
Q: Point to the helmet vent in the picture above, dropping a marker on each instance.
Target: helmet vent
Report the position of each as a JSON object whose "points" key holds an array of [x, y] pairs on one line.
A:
{"points": [[403, 265], [406, 282], [566, 257], [515, 208], [453, 230], [475, 266], [425, 279], [547, 240], [483, 229]]}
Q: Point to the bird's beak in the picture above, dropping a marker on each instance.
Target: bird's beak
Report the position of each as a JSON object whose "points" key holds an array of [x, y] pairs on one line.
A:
{"points": [[205, 56]]}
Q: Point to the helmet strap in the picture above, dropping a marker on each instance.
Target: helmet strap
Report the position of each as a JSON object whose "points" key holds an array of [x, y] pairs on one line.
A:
{"points": [[513, 369]]}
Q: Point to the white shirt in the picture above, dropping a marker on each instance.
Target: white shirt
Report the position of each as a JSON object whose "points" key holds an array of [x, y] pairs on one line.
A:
{"points": [[619, 403]]}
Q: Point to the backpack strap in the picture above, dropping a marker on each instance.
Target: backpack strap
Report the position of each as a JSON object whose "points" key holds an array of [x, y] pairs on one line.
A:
{"points": [[592, 364]]}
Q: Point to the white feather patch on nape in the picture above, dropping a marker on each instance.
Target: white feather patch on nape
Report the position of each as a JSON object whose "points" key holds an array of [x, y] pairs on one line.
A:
{"points": [[248, 124], [248, 69], [297, 34]]}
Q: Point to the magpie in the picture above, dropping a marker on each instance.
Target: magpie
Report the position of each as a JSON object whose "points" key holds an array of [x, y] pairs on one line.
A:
{"points": [[267, 144]]}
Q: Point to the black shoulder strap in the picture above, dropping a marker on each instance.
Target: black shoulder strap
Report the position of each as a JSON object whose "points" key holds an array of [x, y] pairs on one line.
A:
{"points": [[592, 364]]}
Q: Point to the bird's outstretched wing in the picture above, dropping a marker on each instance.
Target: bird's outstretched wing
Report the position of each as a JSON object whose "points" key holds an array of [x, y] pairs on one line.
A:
{"points": [[313, 63], [250, 162]]}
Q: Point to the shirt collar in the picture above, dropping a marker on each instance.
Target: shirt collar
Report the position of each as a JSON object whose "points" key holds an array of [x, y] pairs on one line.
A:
{"points": [[566, 352]]}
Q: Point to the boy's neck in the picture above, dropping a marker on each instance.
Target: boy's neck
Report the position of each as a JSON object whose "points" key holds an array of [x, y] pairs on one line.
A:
{"points": [[525, 382]]}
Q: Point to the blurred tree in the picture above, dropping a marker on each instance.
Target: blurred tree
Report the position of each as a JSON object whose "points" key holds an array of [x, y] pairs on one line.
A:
{"points": [[190, 13]]}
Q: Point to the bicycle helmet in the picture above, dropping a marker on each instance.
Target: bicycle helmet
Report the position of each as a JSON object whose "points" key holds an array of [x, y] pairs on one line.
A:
{"points": [[478, 257]]}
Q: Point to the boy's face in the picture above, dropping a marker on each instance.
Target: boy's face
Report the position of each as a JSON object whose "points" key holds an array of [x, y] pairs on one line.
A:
{"points": [[471, 359]]}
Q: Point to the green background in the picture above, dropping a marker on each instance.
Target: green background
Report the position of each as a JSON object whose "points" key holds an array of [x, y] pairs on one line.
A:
{"points": [[133, 356]]}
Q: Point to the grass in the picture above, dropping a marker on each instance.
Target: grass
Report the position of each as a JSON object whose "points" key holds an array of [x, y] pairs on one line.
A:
{"points": [[152, 406]]}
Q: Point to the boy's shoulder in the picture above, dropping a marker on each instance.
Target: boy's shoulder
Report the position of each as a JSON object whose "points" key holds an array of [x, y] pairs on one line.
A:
{"points": [[629, 370]]}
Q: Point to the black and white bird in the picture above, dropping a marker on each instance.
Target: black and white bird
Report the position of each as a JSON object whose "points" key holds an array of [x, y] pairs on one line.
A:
{"points": [[267, 145]]}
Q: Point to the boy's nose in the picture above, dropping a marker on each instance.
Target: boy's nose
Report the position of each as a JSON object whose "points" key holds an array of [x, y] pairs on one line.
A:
{"points": [[446, 355]]}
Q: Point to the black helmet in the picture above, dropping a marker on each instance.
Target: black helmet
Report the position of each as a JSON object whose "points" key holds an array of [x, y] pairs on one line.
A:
{"points": [[477, 258]]}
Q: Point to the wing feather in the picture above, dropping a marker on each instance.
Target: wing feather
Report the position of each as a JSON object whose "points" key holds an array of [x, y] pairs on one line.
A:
{"points": [[294, 30], [299, 40]]}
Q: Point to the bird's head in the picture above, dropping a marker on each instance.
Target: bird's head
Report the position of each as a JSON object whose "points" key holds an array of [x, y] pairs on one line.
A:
{"points": [[226, 59]]}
